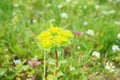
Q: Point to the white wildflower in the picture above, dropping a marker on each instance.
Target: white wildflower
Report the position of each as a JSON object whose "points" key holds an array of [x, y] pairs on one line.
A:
{"points": [[104, 12], [97, 6], [16, 5], [6, 49], [64, 15], [14, 13], [108, 12], [96, 73], [34, 21], [85, 23], [99, 63], [78, 47], [109, 66], [112, 12], [96, 54], [72, 68], [48, 5], [90, 32], [118, 36], [60, 6], [16, 61], [117, 22], [115, 48]]}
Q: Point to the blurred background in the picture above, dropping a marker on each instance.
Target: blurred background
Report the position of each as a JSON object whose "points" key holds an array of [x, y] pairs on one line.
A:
{"points": [[97, 21]]}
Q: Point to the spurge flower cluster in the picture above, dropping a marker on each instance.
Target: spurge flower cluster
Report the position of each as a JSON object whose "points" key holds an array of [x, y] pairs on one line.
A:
{"points": [[54, 36]]}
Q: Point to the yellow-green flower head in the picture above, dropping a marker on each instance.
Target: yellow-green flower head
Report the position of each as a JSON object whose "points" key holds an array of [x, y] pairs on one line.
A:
{"points": [[54, 30], [44, 35], [66, 33], [54, 36], [61, 40]]}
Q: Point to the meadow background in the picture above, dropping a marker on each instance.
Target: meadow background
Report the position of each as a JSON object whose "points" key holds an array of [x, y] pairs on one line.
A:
{"points": [[95, 24]]}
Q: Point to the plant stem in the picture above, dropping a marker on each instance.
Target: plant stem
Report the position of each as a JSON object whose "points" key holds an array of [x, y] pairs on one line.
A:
{"points": [[56, 54], [44, 66]]}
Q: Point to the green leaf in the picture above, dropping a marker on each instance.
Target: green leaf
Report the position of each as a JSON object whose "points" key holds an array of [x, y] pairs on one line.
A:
{"points": [[51, 77], [2, 71], [51, 61], [26, 67], [11, 76], [60, 73], [83, 77], [63, 61], [85, 58]]}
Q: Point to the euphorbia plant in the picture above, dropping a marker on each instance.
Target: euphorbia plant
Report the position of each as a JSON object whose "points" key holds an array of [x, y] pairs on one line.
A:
{"points": [[52, 39]]}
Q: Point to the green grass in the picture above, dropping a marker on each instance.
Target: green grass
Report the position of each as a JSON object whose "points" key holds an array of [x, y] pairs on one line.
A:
{"points": [[19, 27]]}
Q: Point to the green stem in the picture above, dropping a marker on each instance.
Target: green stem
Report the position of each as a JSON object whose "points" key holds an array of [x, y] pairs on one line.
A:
{"points": [[44, 66]]}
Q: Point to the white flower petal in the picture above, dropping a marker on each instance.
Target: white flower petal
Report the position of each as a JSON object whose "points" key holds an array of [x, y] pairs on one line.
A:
{"points": [[78, 47], [17, 61], [115, 48], [64, 15], [118, 36], [72, 68], [90, 32], [109, 66], [96, 54]]}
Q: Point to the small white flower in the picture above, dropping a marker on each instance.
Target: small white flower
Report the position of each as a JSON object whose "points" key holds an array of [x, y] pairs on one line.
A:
{"points": [[78, 47], [118, 36], [16, 5], [112, 12], [109, 66], [85, 23], [99, 63], [104, 12], [90, 32], [14, 13], [10, 69], [48, 5], [34, 20], [97, 6], [6, 49], [96, 73], [60, 6], [115, 48], [16, 61], [108, 12], [72, 68], [64, 15], [96, 54], [117, 22]]}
